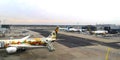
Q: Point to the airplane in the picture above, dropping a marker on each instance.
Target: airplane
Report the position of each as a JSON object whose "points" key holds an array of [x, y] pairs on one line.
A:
{"points": [[73, 29], [15, 45], [63, 29], [100, 32], [69, 29]]}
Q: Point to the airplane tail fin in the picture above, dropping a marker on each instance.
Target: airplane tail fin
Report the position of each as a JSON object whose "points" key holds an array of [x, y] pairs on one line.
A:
{"points": [[51, 38], [56, 30], [53, 35]]}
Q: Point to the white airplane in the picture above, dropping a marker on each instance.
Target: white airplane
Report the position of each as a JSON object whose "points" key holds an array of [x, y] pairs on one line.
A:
{"points": [[100, 32], [69, 29], [63, 29], [73, 30], [16, 45]]}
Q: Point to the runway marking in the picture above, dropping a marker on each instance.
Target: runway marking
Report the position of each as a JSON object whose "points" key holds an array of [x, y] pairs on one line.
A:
{"points": [[107, 54]]}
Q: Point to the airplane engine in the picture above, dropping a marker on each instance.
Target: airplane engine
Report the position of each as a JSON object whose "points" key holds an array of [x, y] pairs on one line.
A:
{"points": [[11, 49]]}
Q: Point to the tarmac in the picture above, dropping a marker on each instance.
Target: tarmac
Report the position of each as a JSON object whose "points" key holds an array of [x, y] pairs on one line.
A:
{"points": [[69, 46]]}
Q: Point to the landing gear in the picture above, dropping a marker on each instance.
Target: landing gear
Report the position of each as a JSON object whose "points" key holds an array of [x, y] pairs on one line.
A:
{"points": [[21, 50]]}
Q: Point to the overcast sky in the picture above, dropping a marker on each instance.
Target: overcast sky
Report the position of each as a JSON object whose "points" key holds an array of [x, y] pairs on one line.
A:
{"points": [[60, 11]]}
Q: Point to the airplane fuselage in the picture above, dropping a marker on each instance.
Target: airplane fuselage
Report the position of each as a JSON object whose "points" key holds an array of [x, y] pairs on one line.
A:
{"points": [[32, 41]]}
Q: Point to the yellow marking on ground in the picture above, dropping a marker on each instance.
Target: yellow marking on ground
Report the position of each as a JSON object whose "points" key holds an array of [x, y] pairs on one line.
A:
{"points": [[107, 54]]}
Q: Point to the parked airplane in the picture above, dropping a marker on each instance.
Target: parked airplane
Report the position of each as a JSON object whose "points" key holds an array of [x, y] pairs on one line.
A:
{"points": [[63, 29], [70, 29], [100, 32], [16, 45], [73, 30]]}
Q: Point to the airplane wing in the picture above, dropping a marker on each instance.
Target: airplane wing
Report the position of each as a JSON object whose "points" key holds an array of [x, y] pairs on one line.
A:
{"points": [[25, 37]]}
